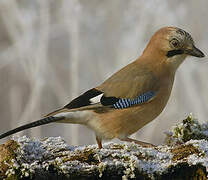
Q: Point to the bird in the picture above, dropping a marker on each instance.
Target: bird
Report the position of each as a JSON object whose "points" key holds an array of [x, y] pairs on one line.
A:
{"points": [[133, 96]]}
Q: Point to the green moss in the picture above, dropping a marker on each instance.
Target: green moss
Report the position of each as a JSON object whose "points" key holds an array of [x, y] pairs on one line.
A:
{"points": [[117, 146], [183, 151], [85, 156], [7, 155]]}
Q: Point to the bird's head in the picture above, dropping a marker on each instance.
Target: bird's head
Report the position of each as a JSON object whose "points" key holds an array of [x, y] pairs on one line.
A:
{"points": [[172, 45]]}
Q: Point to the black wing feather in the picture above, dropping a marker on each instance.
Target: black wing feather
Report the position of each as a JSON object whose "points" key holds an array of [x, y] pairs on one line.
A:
{"points": [[106, 101], [84, 99]]}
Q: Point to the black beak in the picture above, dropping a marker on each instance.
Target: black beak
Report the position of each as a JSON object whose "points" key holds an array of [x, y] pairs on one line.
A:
{"points": [[194, 52]]}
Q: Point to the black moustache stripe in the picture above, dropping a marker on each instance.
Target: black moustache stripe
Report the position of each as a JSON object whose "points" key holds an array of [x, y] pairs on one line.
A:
{"points": [[174, 52]]}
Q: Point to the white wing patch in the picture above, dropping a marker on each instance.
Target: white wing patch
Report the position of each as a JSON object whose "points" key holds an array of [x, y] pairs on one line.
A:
{"points": [[96, 99]]}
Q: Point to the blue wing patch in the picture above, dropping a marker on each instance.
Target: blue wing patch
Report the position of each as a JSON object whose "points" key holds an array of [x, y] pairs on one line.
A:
{"points": [[125, 102]]}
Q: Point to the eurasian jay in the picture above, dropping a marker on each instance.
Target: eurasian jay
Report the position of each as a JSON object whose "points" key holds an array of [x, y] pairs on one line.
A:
{"points": [[133, 96]]}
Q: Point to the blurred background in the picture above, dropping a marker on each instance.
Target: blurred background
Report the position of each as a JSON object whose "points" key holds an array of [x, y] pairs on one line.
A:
{"points": [[52, 51]]}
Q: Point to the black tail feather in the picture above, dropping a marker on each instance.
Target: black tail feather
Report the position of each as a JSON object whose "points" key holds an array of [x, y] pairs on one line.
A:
{"points": [[40, 122]]}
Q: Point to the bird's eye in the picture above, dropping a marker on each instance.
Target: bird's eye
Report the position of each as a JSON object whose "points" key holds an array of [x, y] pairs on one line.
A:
{"points": [[175, 43]]}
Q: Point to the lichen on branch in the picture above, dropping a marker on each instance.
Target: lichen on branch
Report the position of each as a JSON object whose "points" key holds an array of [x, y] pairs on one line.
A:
{"points": [[53, 158]]}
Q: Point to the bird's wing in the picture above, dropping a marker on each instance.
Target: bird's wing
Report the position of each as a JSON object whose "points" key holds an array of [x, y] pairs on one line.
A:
{"points": [[87, 102], [129, 86], [90, 97], [130, 82]]}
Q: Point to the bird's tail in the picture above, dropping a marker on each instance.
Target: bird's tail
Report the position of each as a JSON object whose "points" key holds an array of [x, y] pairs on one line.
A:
{"points": [[58, 111], [40, 122]]}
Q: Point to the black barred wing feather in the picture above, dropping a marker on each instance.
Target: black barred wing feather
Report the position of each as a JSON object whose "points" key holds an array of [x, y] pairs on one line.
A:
{"points": [[124, 103], [120, 103]]}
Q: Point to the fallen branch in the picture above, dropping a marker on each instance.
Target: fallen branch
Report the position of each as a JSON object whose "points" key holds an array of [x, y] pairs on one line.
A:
{"points": [[52, 158]]}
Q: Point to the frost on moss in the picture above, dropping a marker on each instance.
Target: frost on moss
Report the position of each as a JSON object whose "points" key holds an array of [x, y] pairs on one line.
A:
{"points": [[54, 159], [188, 129]]}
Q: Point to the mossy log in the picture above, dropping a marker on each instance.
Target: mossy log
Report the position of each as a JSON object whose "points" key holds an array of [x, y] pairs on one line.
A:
{"points": [[53, 159]]}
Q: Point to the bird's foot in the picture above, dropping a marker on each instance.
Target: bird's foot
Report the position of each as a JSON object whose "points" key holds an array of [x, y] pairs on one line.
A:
{"points": [[141, 143], [99, 142]]}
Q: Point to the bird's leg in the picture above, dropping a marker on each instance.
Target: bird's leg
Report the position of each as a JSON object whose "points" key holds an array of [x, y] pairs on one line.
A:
{"points": [[99, 142], [144, 144]]}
